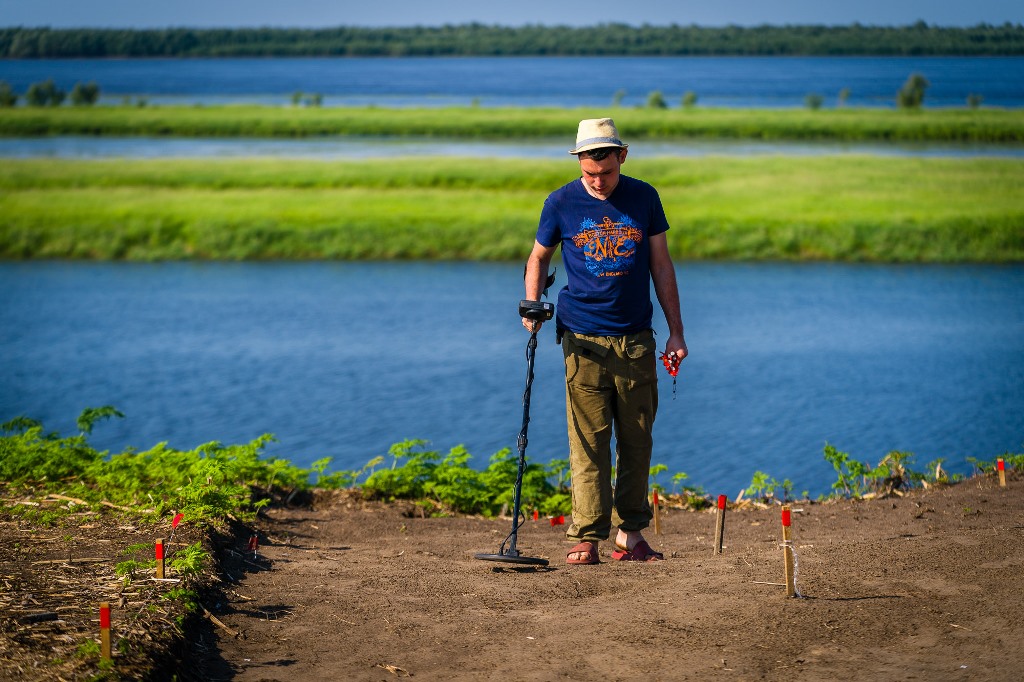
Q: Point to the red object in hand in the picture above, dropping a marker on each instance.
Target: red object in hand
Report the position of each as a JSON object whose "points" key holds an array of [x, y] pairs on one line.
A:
{"points": [[671, 362], [785, 517], [721, 501]]}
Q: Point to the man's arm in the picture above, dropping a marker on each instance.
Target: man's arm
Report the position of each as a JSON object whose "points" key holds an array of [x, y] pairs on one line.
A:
{"points": [[663, 273], [536, 275]]}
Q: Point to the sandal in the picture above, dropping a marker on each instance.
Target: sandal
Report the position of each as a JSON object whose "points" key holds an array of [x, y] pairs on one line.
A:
{"points": [[641, 552], [587, 548]]}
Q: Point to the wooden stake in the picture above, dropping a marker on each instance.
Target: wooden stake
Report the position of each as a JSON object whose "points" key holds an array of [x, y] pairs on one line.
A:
{"points": [[787, 553], [160, 558], [720, 528], [105, 631], [657, 524], [1001, 467]]}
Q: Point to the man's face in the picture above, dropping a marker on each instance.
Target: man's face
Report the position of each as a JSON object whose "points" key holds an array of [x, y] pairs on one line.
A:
{"points": [[601, 176]]}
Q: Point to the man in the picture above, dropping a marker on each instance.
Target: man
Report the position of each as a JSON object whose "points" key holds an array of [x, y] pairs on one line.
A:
{"points": [[612, 232]]}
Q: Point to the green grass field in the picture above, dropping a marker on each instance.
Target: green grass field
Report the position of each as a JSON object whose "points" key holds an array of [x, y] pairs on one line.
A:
{"points": [[847, 208], [512, 124]]}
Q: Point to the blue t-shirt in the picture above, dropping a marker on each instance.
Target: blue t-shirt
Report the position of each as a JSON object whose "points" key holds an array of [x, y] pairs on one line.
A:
{"points": [[606, 253]]}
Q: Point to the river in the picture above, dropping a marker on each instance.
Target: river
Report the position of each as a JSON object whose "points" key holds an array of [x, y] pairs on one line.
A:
{"points": [[344, 359]]}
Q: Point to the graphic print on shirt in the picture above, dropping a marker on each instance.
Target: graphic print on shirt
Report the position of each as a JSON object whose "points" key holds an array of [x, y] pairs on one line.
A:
{"points": [[609, 247]]}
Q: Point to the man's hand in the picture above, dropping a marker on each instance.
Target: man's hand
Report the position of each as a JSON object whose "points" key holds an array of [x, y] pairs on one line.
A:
{"points": [[676, 346], [532, 325]]}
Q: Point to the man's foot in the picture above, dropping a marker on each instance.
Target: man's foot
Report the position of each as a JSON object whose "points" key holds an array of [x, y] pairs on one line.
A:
{"points": [[631, 546], [583, 553]]}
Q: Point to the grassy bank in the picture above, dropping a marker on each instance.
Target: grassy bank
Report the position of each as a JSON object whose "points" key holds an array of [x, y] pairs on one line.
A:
{"points": [[850, 124], [835, 208]]}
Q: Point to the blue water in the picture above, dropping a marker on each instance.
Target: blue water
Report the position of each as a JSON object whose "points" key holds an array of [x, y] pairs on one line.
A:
{"points": [[344, 359], [77, 147], [535, 81]]}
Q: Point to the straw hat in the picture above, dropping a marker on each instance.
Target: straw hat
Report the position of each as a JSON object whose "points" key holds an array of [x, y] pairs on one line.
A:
{"points": [[595, 133]]}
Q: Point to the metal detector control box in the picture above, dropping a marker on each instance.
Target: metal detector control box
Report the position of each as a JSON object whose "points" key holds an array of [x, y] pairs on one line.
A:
{"points": [[536, 310]]}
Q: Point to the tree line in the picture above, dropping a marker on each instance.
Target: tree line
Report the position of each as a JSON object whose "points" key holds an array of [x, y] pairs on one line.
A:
{"points": [[919, 39]]}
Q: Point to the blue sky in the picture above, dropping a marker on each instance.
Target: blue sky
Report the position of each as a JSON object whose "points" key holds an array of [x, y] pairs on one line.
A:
{"points": [[316, 13]]}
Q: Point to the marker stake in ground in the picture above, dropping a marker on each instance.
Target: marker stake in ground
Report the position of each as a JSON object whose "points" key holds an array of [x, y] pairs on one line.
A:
{"points": [[720, 527], [657, 521], [1001, 467], [105, 631], [787, 552], [159, 550]]}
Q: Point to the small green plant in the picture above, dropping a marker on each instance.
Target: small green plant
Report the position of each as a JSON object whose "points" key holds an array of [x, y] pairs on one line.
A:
{"points": [[617, 98], [88, 649], [188, 562], [689, 99], [297, 98], [974, 101], [126, 570], [188, 598], [766, 488], [655, 470], [844, 96], [853, 476]]}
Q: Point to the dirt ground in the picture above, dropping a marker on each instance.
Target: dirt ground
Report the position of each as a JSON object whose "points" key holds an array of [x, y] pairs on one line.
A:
{"points": [[922, 587]]}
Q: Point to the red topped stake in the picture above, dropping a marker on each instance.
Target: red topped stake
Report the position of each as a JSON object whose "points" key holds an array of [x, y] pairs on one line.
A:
{"points": [[105, 630], [786, 519], [159, 551], [720, 525]]}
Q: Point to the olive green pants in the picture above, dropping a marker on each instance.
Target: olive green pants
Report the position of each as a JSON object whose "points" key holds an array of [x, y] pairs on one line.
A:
{"points": [[611, 388]]}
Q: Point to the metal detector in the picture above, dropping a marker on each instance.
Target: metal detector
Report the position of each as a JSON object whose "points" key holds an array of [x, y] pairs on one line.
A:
{"points": [[537, 311]]}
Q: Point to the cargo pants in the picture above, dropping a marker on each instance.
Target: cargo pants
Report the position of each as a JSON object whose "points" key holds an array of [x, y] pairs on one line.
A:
{"points": [[611, 388]]}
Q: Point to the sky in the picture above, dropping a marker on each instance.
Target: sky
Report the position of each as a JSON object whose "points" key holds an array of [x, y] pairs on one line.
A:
{"points": [[321, 13]]}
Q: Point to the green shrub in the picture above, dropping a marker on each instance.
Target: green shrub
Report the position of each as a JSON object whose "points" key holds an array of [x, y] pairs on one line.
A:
{"points": [[655, 100], [44, 94], [813, 101], [911, 95], [85, 95], [8, 98]]}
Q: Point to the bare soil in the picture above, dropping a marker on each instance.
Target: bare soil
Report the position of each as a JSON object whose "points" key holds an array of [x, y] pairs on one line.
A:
{"points": [[927, 586]]}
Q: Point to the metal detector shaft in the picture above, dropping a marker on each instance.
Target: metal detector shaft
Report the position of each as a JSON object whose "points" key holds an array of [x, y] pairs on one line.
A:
{"points": [[531, 350], [508, 552]]}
